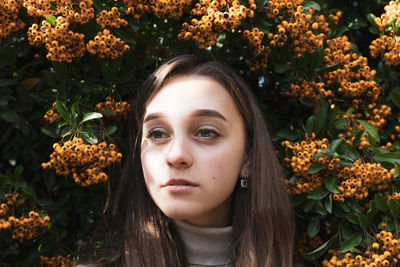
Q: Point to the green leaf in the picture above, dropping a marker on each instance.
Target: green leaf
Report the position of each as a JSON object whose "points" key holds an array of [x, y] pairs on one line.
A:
{"points": [[372, 19], [18, 171], [319, 208], [309, 205], [340, 124], [318, 252], [48, 131], [111, 129], [328, 68], [328, 204], [75, 108], [9, 116], [345, 207], [313, 227], [297, 200], [288, 134], [51, 19], [374, 30], [381, 202], [320, 118], [334, 145], [27, 190], [370, 129], [90, 137], [311, 4], [315, 167], [391, 157], [282, 68], [351, 242], [395, 97], [62, 110], [318, 155], [394, 206], [310, 125], [358, 138], [355, 205], [352, 218], [91, 116], [108, 112], [363, 220], [7, 82], [330, 184], [318, 193]]}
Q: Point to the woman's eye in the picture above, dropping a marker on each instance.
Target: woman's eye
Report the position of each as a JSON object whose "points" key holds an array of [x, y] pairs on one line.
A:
{"points": [[207, 133], [156, 135]]}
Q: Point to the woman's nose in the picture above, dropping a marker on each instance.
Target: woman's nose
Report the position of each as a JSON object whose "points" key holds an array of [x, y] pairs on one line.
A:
{"points": [[179, 154]]}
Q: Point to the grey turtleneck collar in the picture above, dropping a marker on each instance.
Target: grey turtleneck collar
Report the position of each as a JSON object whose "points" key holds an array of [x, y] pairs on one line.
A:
{"points": [[206, 246]]}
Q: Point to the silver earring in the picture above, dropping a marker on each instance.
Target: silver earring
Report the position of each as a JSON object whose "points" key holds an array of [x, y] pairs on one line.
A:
{"points": [[244, 180]]}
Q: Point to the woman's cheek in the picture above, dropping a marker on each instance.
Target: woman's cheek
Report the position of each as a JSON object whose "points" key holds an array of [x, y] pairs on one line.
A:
{"points": [[223, 165]]}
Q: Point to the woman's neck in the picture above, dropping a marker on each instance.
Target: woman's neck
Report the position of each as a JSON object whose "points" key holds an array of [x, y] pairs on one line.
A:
{"points": [[206, 246]]}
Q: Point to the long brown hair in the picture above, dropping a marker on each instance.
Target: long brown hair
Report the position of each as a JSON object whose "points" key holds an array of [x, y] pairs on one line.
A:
{"points": [[263, 226]]}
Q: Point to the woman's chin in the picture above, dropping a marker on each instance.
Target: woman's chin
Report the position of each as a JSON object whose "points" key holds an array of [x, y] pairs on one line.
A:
{"points": [[179, 212]]}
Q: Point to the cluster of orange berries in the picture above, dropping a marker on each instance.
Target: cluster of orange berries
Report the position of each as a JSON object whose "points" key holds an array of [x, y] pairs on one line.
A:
{"points": [[106, 45], [120, 109], [275, 6], [349, 138], [81, 12], [9, 21], [300, 161], [335, 17], [216, 17], [23, 228], [355, 180], [111, 19], [392, 12], [11, 198], [301, 31], [51, 114], [355, 77], [56, 262], [389, 47], [307, 244], [387, 44], [385, 252], [308, 89], [169, 8], [299, 26], [260, 52], [27, 228], [358, 179], [378, 116], [165, 8], [396, 135], [61, 43], [137, 7], [394, 195], [84, 161]]}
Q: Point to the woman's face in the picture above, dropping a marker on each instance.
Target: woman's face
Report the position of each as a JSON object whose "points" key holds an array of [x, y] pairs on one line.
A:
{"points": [[192, 150]]}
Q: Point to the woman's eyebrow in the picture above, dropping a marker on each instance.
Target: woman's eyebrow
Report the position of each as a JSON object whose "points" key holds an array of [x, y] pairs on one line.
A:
{"points": [[153, 116], [195, 113], [207, 113]]}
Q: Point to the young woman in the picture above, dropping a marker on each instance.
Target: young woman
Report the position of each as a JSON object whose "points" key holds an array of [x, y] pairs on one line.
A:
{"points": [[201, 184]]}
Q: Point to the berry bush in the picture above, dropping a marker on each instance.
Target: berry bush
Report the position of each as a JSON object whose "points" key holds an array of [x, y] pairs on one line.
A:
{"points": [[326, 74]]}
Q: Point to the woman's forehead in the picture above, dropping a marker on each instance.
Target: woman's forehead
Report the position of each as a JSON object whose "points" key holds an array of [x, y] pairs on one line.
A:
{"points": [[190, 92], [186, 96]]}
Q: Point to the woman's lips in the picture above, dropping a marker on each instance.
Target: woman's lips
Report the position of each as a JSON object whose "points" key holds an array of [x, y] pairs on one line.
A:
{"points": [[179, 185]]}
